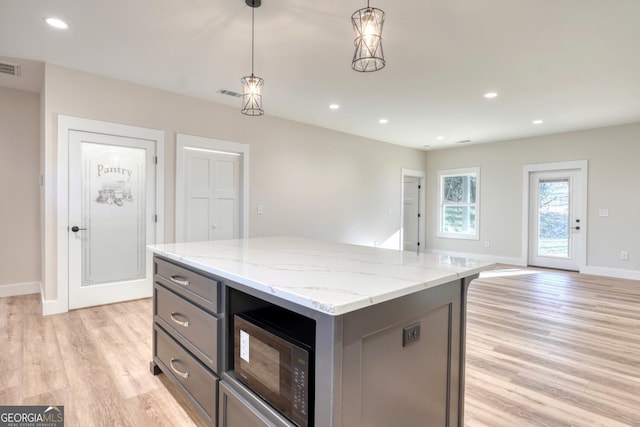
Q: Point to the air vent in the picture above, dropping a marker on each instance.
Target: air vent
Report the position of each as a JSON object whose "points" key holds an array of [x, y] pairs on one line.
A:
{"points": [[230, 93], [465, 141], [11, 69]]}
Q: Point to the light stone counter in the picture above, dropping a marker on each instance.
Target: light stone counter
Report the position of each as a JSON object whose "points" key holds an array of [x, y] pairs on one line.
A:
{"points": [[332, 278]]}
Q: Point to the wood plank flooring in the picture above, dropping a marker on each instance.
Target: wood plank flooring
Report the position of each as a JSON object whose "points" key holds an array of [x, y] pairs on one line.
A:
{"points": [[94, 361], [544, 348], [550, 348]]}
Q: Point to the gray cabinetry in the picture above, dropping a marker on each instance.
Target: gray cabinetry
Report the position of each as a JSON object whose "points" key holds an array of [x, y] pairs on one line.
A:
{"points": [[186, 327], [396, 362], [240, 407], [236, 411]]}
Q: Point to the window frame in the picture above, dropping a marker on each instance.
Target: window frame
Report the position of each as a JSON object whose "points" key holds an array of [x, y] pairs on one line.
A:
{"points": [[442, 174]]}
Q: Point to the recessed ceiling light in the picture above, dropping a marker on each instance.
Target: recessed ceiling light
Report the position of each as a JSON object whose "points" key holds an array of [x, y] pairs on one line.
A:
{"points": [[439, 138], [334, 106], [383, 121], [537, 122], [57, 23], [490, 95]]}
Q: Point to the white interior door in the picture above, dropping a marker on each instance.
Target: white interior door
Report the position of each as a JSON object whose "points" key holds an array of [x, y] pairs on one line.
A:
{"points": [[111, 218], [212, 195], [411, 212], [555, 224]]}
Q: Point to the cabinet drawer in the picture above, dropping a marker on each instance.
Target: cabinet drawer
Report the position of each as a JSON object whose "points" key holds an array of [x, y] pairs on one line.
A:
{"points": [[191, 326], [237, 412], [201, 289], [197, 381]]}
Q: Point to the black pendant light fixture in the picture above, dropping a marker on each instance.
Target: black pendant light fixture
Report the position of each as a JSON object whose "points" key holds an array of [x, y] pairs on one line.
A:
{"points": [[367, 24], [252, 85]]}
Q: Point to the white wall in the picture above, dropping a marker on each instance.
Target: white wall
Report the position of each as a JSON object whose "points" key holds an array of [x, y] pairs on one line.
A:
{"points": [[613, 154], [312, 182], [20, 193]]}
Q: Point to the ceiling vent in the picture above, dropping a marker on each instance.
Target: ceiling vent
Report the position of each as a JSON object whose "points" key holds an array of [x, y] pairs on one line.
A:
{"points": [[464, 141], [11, 69], [230, 93]]}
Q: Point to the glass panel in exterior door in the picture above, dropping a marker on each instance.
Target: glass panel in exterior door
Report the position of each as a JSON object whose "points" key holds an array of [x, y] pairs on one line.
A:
{"points": [[113, 212], [553, 217]]}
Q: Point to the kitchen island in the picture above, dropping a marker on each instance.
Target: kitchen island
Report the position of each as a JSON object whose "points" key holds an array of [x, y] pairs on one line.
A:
{"points": [[389, 338]]}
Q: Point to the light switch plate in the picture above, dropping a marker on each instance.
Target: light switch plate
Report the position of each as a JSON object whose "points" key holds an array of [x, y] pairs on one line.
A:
{"points": [[603, 212]]}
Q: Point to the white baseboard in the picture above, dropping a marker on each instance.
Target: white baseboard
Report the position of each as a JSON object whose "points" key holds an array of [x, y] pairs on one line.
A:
{"points": [[483, 257], [15, 289], [54, 306], [612, 272], [593, 270]]}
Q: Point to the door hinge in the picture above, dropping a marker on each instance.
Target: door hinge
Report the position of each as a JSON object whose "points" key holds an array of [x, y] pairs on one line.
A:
{"points": [[418, 243], [418, 215], [155, 218], [156, 159], [419, 187]]}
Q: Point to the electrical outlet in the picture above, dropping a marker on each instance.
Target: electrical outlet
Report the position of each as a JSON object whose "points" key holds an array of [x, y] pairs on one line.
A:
{"points": [[260, 210], [624, 256], [410, 334], [487, 244]]}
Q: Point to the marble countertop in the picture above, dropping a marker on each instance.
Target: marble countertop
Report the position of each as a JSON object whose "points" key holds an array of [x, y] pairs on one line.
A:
{"points": [[333, 278]]}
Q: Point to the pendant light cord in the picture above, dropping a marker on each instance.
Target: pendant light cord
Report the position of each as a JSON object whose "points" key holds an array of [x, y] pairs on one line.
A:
{"points": [[252, 36]]}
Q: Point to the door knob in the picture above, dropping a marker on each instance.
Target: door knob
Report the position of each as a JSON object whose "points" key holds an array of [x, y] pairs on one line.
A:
{"points": [[75, 228], [575, 228]]}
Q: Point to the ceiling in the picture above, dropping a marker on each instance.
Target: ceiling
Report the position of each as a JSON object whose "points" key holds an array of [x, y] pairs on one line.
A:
{"points": [[575, 64]]}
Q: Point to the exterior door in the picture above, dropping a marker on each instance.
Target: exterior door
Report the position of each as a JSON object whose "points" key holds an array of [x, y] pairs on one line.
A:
{"points": [[111, 218], [555, 227], [212, 195], [411, 212]]}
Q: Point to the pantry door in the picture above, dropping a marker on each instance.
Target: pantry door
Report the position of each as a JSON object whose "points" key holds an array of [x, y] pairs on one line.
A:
{"points": [[111, 217]]}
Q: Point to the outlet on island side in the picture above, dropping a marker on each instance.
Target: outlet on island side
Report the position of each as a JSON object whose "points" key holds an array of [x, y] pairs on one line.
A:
{"points": [[624, 255], [410, 334]]}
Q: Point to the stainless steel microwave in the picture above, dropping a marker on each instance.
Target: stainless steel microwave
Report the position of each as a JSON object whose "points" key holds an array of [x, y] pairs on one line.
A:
{"points": [[274, 357]]}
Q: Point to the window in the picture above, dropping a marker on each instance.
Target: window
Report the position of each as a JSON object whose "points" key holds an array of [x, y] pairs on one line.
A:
{"points": [[459, 203]]}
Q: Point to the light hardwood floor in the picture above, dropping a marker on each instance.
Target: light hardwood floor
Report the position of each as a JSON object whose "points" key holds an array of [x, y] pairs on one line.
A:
{"points": [[549, 348], [544, 348], [94, 361]]}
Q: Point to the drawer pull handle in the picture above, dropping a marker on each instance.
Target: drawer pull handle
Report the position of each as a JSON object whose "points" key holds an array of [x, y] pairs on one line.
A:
{"points": [[179, 322], [184, 375], [179, 280]]}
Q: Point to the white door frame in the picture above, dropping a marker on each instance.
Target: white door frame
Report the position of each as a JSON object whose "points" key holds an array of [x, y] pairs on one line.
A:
{"points": [[183, 141], [67, 124], [583, 167], [421, 222]]}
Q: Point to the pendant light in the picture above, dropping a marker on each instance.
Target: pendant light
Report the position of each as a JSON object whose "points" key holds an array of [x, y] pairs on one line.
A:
{"points": [[252, 85], [367, 24]]}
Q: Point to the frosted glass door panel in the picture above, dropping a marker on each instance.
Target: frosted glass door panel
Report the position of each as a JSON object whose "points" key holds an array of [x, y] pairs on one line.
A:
{"points": [[112, 215], [113, 212]]}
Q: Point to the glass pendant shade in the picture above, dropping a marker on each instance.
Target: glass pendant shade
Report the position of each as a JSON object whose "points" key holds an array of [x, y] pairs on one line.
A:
{"points": [[252, 95], [367, 24]]}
